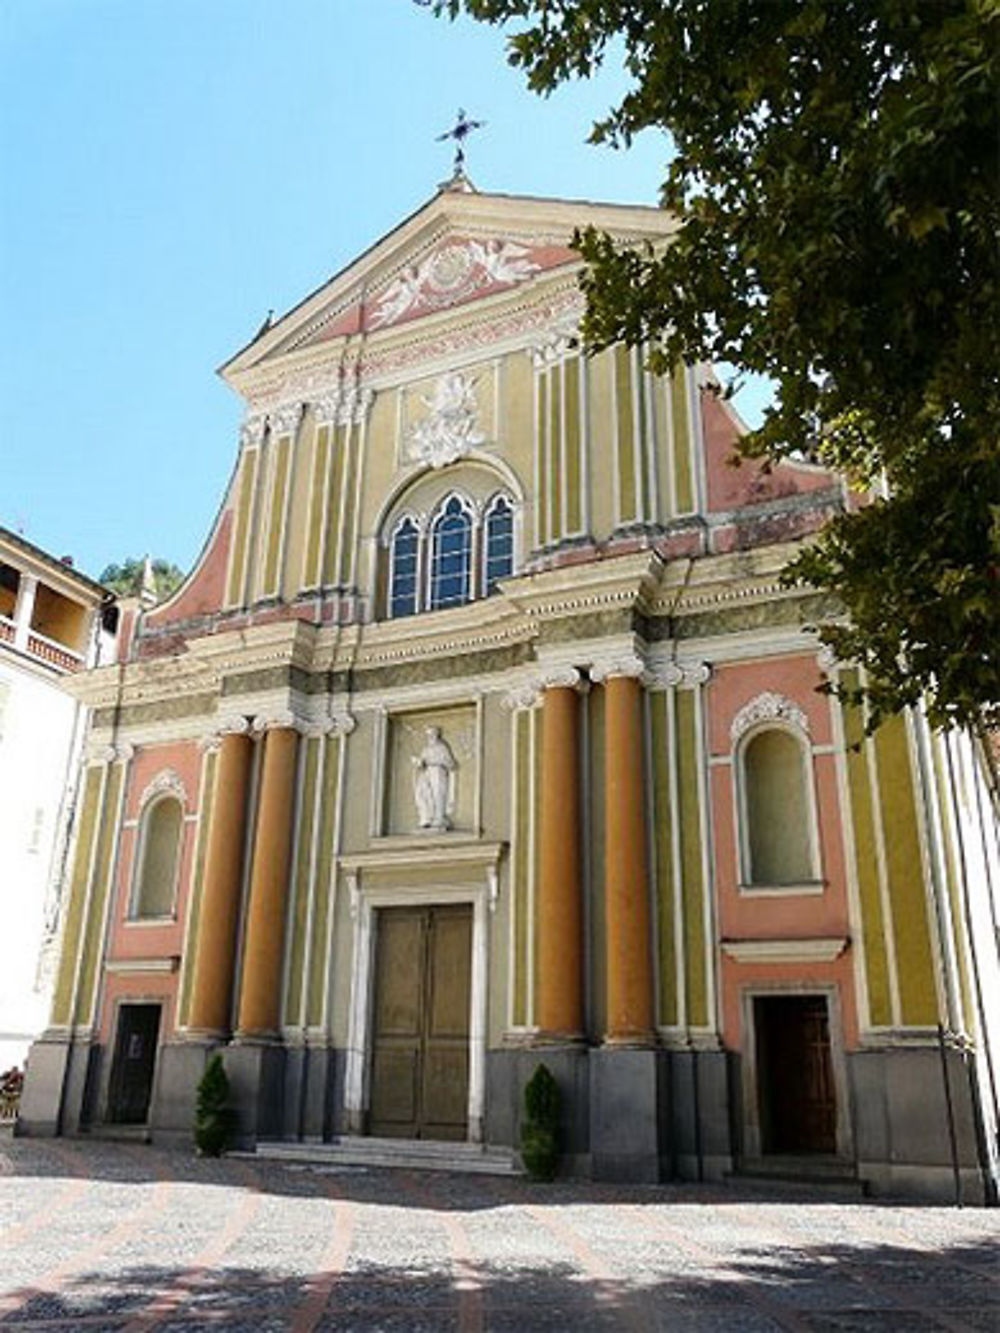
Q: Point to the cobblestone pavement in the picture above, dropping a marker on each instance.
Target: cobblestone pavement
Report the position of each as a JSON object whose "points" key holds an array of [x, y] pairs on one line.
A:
{"points": [[103, 1236]]}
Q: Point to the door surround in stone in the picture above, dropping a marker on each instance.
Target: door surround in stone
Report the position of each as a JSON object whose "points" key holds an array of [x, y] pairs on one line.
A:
{"points": [[752, 1132], [464, 872]]}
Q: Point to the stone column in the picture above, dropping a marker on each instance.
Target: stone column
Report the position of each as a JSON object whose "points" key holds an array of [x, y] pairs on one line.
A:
{"points": [[559, 1010], [211, 995], [260, 993], [24, 610], [626, 870]]}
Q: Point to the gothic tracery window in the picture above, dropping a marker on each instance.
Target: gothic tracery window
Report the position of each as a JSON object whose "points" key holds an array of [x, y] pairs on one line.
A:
{"points": [[499, 545], [457, 550], [404, 573], [451, 555]]}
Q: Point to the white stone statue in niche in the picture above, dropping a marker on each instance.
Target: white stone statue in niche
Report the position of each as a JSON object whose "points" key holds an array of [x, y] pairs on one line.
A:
{"points": [[434, 771]]}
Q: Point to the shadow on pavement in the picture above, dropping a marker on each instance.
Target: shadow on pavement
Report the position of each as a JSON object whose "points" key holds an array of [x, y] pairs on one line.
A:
{"points": [[822, 1289]]}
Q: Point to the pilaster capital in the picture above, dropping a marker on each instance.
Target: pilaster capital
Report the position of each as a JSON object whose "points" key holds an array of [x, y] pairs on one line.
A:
{"points": [[524, 695], [340, 723], [326, 407], [672, 675], [345, 404], [100, 752], [827, 660], [252, 430], [285, 418]]}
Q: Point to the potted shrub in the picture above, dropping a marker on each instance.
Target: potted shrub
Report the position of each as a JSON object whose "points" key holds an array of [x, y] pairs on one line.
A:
{"points": [[540, 1127], [215, 1120]]}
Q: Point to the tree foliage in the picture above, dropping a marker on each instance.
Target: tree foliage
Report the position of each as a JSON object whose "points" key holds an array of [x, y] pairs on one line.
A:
{"points": [[836, 183], [126, 578]]}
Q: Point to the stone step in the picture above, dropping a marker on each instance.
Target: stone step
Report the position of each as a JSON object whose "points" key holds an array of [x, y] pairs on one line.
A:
{"points": [[821, 1179], [411, 1154]]}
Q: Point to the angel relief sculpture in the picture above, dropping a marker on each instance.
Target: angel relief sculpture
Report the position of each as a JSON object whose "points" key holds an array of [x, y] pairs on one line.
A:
{"points": [[450, 428], [434, 771]]}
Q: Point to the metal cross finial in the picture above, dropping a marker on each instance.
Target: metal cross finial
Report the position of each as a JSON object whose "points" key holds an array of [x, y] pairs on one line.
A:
{"points": [[463, 128]]}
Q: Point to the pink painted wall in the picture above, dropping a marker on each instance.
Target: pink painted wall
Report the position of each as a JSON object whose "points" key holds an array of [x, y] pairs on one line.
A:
{"points": [[151, 940], [790, 915], [733, 487]]}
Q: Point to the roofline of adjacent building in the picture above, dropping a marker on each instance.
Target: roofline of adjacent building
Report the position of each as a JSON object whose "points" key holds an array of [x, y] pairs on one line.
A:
{"points": [[55, 563]]}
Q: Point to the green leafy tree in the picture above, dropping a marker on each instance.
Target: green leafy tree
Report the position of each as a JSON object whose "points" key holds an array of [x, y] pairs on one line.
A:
{"points": [[126, 578], [836, 183]]}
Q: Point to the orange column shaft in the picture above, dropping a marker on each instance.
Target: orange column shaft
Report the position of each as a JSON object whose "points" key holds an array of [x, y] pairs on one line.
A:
{"points": [[260, 998], [560, 924], [211, 995], [626, 878]]}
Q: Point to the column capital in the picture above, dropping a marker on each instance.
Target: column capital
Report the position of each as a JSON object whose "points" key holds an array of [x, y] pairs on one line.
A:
{"points": [[282, 719], [234, 725], [627, 664], [560, 678]]}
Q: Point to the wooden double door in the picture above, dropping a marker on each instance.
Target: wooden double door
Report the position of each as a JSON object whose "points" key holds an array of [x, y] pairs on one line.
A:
{"points": [[420, 1027]]}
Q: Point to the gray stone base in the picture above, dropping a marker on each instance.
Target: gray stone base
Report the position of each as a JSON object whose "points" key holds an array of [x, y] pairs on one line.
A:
{"points": [[40, 1113], [60, 1086], [901, 1132], [507, 1072], [179, 1068], [702, 1114], [256, 1073], [629, 1127]]}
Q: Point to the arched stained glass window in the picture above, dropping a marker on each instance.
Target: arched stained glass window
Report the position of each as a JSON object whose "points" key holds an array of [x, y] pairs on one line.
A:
{"points": [[451, 556], [499, 552], [403, 573]]}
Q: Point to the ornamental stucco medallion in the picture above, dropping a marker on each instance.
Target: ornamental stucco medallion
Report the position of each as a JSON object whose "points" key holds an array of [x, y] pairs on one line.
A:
{"points": [[451, 427]]}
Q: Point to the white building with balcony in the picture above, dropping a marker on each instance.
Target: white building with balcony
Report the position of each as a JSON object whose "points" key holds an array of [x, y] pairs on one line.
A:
{"points": [[53, 621]]}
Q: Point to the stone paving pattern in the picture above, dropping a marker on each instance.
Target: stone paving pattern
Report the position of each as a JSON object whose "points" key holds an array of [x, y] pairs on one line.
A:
{"points": [[102, 1236]]}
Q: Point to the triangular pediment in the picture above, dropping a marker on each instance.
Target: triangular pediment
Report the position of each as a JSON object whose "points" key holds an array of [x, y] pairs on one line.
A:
{"points": [[460, 247]]}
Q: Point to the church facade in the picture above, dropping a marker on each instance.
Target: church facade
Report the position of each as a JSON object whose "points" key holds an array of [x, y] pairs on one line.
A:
{"points": [[484, 733]]}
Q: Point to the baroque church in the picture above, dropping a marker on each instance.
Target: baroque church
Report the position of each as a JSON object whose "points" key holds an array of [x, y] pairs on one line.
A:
{"points": [[484, 733]]}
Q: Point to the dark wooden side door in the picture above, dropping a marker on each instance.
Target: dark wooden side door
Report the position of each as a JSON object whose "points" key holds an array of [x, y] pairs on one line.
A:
{"points": [[798, 1108], [134, 1061], [420, 1030]]}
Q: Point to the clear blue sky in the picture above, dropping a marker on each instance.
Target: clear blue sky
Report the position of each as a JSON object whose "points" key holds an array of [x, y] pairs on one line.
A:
{"points": [[174, 168]]}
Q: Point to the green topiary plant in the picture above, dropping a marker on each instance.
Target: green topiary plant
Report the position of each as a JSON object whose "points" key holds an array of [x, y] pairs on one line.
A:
{"points": [[214, 1120], [540, 1127]]}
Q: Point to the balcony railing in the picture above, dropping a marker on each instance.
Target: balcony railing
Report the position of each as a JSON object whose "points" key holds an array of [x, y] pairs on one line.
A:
{"points": [[56, 653], [7, 630]]}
